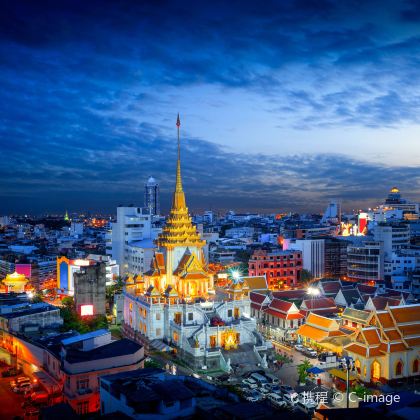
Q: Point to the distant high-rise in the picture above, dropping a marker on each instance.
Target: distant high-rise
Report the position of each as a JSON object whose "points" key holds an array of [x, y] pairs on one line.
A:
{"points": [[151, 196]]}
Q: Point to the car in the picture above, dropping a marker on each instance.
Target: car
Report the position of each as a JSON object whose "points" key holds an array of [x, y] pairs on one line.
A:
{"points": [[310, 353], [10, 372], [253, 396], [264, 391], [308, 406], [276, 400], [32, 413], [22, 379], [23, 387], [299, 347], [251, 383], [275, 389], [258, 378], [291, 399], [272, 378], [286, 389]]}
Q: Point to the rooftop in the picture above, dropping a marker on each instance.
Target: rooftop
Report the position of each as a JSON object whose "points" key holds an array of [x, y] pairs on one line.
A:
{"points": [[86, 336], [114, 349]]}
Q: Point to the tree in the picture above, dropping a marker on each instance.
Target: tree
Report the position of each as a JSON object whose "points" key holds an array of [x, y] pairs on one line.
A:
{"points": [[114, 289], [37, 298], [361, 390], [305, 276], [68, 302], [302, 370]]}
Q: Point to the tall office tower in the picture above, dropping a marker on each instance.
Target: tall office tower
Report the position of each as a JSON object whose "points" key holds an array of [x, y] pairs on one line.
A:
{"points": [[151, 196], [133, 225], [365, 261]]}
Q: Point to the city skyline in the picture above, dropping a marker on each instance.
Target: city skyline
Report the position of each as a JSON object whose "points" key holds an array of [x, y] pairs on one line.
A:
{"points": [[283, 108]]}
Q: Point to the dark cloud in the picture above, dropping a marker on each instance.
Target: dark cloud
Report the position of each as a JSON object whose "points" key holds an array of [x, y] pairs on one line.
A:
{"points": [[111, 174], [73, 74]]}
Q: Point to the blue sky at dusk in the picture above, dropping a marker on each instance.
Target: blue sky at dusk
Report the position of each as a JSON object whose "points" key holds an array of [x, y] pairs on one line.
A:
{"points": [[284, 104]]}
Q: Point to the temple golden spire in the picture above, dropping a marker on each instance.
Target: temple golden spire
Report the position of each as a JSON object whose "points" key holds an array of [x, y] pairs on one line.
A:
{"points": [[178, 201], [179, 230]]}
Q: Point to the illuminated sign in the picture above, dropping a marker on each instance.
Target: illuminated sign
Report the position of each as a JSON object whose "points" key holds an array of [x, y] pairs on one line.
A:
{"points": [[81, 262], [25, 269], [86, 310]]}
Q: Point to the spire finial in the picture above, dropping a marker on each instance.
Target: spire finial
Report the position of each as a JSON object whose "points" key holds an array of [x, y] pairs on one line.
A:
{"points": [[179, 197]]}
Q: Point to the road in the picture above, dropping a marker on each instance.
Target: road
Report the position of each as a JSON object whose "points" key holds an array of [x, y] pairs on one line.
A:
{"points": [[10, 403], [288, 372]]}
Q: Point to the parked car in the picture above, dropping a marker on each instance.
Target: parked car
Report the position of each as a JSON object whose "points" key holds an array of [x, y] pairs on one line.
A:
{"points": [[32, 413], [310, 353], [258, 378], [308, 406], [39, 397], [252, 383], [286, 389], [272, 378], [276, 400], [275, 389], [23, 387], [253, 396], [291, 399], [299, 347], [10, 372], [264, 391]]}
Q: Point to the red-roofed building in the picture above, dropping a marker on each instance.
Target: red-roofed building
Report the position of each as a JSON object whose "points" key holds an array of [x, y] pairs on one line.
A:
{"points": [[275, 317], [320, 306], [281, 268]]}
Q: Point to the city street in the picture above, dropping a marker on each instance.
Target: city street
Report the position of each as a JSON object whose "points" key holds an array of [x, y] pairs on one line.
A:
{"points": [[288, 372], [10, 403]]}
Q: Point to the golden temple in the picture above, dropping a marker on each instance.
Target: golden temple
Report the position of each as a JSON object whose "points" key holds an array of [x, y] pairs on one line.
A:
{"points": [[179, 268], [15, 282]]}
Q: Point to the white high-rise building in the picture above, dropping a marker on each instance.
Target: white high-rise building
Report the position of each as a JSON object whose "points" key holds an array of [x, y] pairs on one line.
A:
{"points": [[393, 235], [133, 224], [313, 254]]}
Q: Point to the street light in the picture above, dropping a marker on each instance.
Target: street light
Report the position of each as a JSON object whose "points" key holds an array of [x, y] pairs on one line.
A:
{"points": [[313, 291], [236, 275], [349, 365]]}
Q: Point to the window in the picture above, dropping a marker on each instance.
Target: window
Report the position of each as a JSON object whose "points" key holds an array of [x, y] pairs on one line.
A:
{"points": [[416, 366], [229, 313], [190, 316], [158, 332], [82, 407], [83, 383], [158, 317]]}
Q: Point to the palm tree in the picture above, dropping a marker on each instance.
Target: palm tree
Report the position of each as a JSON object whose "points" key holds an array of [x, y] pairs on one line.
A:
{"points": [[302, 370]]}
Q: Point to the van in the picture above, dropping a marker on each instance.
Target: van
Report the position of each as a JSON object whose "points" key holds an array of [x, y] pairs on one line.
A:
{"points": [[259, 378], [276, 400], [291, 399], [39, 397], [272, 378], [307, 406]]}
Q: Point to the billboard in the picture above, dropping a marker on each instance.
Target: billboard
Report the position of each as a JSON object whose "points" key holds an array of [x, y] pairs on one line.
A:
{"points": [[86, 310], [25, 269]]}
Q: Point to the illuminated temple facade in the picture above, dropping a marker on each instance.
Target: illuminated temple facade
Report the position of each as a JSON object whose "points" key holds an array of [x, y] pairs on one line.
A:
{"points": [[175, 304]]}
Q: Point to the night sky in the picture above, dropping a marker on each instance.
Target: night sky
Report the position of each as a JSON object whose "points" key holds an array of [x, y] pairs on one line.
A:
{"points": [[284, 105]]}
